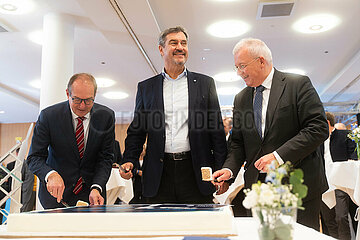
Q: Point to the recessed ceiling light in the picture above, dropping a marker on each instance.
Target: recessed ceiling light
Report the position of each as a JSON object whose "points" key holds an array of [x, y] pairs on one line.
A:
{"points": [[1, 112], [228, 90], [35, 84], [36, 37], [295, 70], [316, 23], [228, 28], [16, 6], [227, 77], [104, 82], [116, 95], [8, 7]]}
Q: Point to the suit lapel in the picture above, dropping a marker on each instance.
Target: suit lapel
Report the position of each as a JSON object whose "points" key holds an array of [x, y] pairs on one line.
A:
{"points": [[277, 88], [68, 130], [158, 86], [193, 87]]}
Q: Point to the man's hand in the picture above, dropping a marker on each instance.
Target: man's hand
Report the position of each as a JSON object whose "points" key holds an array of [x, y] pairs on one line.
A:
{"points": [[220, 176], [262, 164], [55, 186], [125, 170], [95, 198]]}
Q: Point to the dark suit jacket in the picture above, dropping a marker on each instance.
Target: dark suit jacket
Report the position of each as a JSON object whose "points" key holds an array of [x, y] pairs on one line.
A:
{"points": [[206, 131], [54, 147], [295, 127], [117, 153], [342, 148]]}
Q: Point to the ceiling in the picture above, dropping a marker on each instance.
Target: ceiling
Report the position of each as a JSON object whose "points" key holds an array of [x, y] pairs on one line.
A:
{"points": [[104, 47]]}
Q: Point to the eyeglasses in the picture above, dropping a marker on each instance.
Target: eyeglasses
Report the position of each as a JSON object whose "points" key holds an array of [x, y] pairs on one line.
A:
{"points": [[243, 66], [87, 101]]}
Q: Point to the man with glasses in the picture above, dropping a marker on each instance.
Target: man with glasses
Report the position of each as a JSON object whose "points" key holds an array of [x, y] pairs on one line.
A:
{"points": [[72, 147], [278, 116]]}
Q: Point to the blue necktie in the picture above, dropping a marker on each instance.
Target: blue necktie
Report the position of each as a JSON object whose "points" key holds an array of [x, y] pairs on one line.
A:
{"points": [[258, 108]]}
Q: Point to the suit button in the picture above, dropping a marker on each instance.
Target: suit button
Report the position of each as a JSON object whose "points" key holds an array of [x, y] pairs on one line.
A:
{"points": [[161, 160]]}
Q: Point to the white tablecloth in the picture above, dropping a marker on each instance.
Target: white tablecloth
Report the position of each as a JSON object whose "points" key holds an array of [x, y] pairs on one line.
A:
{"points": [[346, 177], [117, 187], [246, 230]]}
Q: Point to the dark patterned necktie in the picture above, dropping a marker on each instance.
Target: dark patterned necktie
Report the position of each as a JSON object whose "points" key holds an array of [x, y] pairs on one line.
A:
{"points": [[80, 135], [258, 108]]}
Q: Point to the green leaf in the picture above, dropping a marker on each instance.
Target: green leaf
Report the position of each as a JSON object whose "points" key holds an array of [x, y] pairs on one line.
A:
{"points": [[301, 190]]}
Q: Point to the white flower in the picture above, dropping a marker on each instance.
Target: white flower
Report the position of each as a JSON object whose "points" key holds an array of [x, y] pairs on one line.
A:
{"points": [[266, 197], [251, 199]]}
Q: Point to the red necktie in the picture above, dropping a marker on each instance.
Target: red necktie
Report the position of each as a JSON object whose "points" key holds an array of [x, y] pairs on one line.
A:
{"points": [[80, 136], [80, 143]]}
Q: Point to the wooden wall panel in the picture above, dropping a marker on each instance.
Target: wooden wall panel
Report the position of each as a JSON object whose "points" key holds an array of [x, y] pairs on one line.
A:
{"points": [[8, 133]]}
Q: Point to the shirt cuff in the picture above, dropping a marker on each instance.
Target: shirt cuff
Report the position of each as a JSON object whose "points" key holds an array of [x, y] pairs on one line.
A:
{"points": [[96, 186], [278, 158], [48, 174]]}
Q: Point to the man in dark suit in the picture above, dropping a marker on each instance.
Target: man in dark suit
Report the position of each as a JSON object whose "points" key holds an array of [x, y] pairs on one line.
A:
{"points": [[72, 147], [280, 117], [340, 148], [178, 111]]}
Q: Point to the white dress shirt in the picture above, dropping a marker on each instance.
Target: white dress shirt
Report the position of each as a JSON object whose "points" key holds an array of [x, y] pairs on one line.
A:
{"points": [[176, 109]]}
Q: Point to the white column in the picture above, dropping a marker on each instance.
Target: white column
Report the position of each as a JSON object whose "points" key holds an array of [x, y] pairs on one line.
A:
{"points": [[57, 62]]}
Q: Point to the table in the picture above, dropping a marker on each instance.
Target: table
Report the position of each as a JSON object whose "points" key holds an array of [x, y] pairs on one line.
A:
{"points": [[117, 187], [246, 228], [346, 177]]}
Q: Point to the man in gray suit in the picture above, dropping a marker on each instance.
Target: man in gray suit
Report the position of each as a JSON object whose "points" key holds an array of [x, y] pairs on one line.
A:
{"points": [[278, 116]]}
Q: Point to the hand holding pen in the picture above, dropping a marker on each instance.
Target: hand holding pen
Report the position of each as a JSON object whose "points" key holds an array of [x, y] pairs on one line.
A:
{"points": [[125, 170]]}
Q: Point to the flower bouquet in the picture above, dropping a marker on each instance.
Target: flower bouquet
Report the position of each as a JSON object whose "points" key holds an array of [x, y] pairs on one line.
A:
{"points": [[355, 136], [274, 203]]}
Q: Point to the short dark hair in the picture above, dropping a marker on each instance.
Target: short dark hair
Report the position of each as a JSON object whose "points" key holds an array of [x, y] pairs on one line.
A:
{"points": [[163, 34], [331, 118], [78, 75]]}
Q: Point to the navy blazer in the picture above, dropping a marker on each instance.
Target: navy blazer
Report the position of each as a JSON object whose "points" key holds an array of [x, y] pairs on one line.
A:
{"points": [[54, 147], [295, 126], [206, 130]]}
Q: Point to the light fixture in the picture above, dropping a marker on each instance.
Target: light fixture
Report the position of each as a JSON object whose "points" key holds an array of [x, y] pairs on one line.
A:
{"points": [[36, 37], [16, 6], [8, 7], [295, 70], [115, 95], [228, 28], [316, 23], [1, 112], [227, 77], [228, 90], [35, 84], [104, 82]]}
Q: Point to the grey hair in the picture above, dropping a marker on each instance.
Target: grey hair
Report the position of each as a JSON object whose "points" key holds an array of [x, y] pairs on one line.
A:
{"points": [[255, 47], [78, 75], [163, 34]]}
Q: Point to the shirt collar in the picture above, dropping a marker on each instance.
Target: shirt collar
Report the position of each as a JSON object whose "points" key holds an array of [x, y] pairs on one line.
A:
{"points": [[166, 76], [74, 116], [268, 80]]}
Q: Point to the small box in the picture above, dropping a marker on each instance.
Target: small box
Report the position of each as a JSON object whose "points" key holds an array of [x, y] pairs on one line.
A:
{"points": [[206, 174]]}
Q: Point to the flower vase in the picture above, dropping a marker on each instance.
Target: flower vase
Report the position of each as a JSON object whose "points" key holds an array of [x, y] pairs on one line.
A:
{"points": [[275, 223]]}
